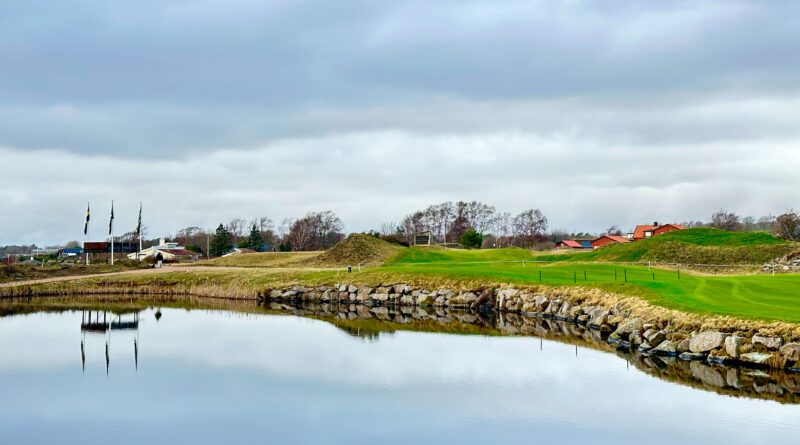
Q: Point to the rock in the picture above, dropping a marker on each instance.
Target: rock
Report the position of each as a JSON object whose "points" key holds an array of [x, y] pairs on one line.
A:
{"points": [[683, 346], [352, 289], [425, 299], [707, 374], [706, 341], [636, 338], [790, 352], [289, 294], [692, 356], [541, 302], [575, 312], [770, 342], [665, 348], [628, 326], [407, 300], [583, 318], [275, 294], [598, 316], [655, 337], [733, 345], [507, 293], [756, 358], [380, 297]]}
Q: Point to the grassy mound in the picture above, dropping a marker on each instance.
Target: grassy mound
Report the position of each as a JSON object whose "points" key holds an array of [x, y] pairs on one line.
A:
{"points": [[358, 249], [427, 255], [265, 259], [694, 246]]}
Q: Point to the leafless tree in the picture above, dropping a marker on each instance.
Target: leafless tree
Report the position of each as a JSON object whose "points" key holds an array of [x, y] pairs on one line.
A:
{"points": [[388, 228], [787, 226], [315, 231], [614, 231], [530, 227], [238, 228], [724, 220]]}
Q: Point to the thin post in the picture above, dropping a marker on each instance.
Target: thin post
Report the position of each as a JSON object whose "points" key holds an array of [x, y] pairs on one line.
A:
{"points": [[649, 264], [679, 274], [575, 276], [540, 276], [112, 249], [626, 275], [654, 275], [584, 275], [615, 274]]}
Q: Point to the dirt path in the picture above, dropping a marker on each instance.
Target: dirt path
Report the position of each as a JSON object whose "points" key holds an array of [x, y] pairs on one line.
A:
{"points": [[112, 274]]}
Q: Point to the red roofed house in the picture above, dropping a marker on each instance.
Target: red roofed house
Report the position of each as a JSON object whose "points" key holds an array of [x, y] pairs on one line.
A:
{"points": [[644, 231], [572, 244], [609, 239]]}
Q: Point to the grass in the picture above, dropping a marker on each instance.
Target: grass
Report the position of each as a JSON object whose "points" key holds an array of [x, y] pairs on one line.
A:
{"points": [[266, 259], [358, 249], [15, 272], [692, 246]]}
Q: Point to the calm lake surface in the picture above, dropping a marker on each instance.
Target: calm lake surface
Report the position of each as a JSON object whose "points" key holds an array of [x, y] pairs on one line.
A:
{"points": [[213, 377]]}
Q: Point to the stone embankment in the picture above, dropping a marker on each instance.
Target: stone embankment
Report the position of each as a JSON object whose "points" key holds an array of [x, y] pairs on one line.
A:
{"points": [[618, 326]]}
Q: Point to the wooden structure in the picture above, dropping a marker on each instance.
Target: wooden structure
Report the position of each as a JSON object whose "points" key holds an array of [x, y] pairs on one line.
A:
{"points": [[423, 239]]}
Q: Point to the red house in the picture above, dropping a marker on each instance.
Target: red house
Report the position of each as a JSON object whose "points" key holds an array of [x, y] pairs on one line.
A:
{"points": [[573, 244], [609, 239], [644, 231]]}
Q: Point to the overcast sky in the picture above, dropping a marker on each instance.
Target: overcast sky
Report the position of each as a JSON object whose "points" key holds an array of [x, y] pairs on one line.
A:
{"points": [[597, 112]]}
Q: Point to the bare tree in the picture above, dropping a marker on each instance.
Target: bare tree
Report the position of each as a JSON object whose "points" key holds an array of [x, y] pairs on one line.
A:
{"points": [[529, 227], [388, 228], [237, 227], [787, 226], [315, 231], [614, 231], [724, 220]]}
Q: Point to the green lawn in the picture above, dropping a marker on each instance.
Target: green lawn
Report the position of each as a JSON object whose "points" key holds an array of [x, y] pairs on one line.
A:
{"points": [[762, 297]]}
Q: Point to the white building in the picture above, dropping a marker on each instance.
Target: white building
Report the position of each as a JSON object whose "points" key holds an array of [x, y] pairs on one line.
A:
{"points": [[167, 252]]}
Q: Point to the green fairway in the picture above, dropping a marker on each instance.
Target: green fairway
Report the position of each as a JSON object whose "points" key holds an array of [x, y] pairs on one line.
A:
{"points": [[762, 297]]}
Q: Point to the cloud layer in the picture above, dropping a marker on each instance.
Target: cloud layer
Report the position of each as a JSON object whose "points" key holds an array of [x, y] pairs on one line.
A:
{"points": [[599, 113]]}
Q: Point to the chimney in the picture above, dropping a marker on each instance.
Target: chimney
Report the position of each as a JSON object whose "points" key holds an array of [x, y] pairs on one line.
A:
{"points": [[655, 223]]}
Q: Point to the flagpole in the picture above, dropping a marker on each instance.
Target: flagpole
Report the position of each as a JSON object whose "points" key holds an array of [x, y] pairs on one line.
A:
{"points": [[111, 232]]}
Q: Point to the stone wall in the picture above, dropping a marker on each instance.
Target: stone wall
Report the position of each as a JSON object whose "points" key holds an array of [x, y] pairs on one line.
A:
{"points": [[617, 326]]}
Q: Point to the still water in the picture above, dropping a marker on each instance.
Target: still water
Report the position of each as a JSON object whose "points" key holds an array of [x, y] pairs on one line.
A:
{"points": [[214, 377]]}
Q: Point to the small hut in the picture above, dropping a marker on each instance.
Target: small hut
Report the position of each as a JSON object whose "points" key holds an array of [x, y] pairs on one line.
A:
{"points": [[423, 238]]}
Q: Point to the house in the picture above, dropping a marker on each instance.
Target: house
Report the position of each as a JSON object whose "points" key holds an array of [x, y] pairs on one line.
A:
{"points": [[609, 239], [644, 231], [573, 244], [166, 252], [68, 252]]}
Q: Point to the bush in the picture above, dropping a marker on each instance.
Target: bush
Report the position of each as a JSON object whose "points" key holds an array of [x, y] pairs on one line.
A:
{"points": [[471, 239]]}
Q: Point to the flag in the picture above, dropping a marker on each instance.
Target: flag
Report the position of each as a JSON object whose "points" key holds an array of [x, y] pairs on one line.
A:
{"points": [[86, 224], [139, 225], [111, 221]]}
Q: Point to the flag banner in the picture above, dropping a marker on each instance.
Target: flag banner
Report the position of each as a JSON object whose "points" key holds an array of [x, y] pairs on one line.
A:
{"points": [[111, 221], [86, 224], [139, 224]]}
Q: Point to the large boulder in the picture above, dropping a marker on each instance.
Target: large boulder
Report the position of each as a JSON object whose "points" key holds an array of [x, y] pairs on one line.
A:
{"points": [[706, 341], [666, 348], [756, 358], [598, 316], [790, 352], [770, 342], [733, 345], [655, 337]]}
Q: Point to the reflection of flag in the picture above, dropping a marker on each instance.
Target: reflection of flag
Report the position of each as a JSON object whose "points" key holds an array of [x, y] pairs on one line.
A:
{"points": [[86, 224], [111, 221], [139, 225]]}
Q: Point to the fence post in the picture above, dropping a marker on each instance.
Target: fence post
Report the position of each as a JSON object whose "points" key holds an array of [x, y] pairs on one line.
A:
{"points": [[626, 275], [574, 277], [540, 276]]}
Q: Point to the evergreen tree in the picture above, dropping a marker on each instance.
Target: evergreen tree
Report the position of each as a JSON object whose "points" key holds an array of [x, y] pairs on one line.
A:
{"points": [[222, 242], [255, 241], [471, 239]]}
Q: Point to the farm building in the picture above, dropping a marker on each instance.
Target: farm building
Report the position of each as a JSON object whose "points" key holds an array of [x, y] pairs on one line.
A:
{"points": [[423, 238], [609, 239]]}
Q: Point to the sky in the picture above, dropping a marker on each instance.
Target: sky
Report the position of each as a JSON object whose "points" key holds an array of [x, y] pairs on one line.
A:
{"points": [[597, 112]]}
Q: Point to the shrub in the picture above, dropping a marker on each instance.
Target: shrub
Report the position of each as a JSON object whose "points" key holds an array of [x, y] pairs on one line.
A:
{"points": [[471, 239]]}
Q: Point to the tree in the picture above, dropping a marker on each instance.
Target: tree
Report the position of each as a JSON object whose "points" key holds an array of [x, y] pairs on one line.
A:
{"points": [[748, 223], [724, 220], [255, 241], [787, 226], [471, 239], [529, 227], [315, 231], [222, 242], [614, 231], [460, 227]]}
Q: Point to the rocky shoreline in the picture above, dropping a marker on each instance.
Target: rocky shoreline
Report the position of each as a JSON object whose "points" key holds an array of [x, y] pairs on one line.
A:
{"points": [[616, 325]]}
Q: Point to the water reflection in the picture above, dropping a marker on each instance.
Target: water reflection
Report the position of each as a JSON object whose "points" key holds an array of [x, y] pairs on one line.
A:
{"points": [[357, 375], [101, 322]]}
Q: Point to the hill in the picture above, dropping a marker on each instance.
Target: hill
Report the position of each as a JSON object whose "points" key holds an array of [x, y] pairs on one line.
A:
{"points": [[266, 259], [358, 249], [694, 246]]}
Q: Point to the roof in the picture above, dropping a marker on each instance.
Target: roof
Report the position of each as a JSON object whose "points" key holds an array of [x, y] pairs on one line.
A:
{"points": [[572, 243], [677, 226], [638, 232], [617, 238], [179, 252]]}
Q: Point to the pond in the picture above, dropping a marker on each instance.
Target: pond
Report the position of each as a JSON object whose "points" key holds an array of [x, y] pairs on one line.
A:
{"points": [[165, 375]]}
